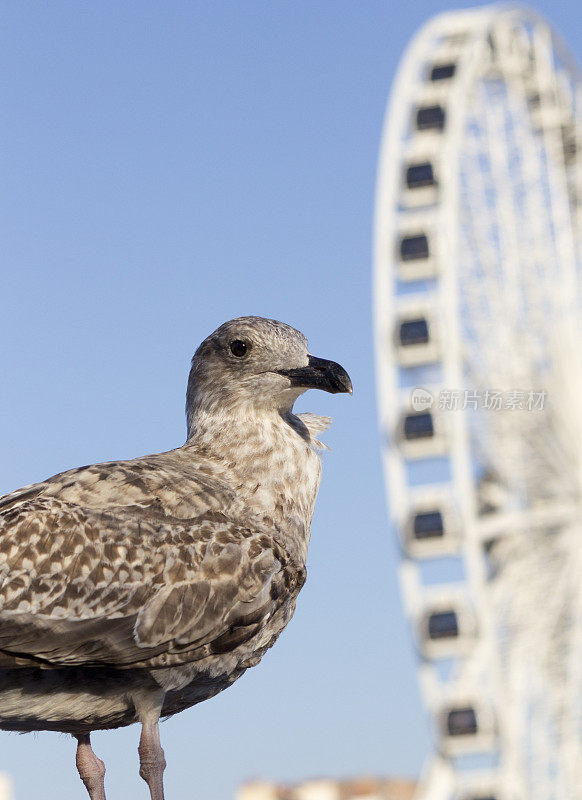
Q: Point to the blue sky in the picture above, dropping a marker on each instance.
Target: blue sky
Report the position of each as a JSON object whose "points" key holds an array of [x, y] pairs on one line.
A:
{"points": [[165, 167]]}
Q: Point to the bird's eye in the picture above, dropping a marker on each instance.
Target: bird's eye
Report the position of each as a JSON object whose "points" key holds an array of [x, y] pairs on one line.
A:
{"points": [[238, 348]]}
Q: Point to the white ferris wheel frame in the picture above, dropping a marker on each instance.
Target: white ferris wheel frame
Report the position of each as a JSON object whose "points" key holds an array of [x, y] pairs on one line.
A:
{"points": [[462, 38]]}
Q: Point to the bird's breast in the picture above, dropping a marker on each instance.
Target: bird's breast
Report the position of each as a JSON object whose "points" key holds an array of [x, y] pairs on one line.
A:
{"points": [[276, 471], [284, 481]]}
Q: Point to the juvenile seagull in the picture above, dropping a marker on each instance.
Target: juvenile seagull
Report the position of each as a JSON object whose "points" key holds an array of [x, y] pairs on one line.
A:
{"points": [[135, 589]]}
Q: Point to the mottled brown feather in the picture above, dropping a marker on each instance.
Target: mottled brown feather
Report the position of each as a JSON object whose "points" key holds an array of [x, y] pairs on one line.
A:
{"points": [[122, 585]]}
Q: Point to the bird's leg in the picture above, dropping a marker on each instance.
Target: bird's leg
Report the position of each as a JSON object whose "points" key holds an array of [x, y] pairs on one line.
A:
{"points": [[91, 769], [151, 759], [148, 707]]}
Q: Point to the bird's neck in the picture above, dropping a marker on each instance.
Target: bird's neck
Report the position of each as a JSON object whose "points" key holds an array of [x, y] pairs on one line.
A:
{"points": [[270, 460]]}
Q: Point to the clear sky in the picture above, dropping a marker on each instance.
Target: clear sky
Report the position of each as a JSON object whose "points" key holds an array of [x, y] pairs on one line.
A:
{"points": [[167, 166]]}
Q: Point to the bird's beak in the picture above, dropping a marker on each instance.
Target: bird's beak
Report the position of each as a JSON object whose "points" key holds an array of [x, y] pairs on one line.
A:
{"points": [[320, 374]]}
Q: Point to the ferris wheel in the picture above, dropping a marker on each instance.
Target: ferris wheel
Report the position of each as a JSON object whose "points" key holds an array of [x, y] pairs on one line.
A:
{"points": [[478, 254]]}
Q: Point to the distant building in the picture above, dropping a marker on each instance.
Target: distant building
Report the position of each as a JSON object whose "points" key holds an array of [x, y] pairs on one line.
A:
{"points": [[327, 789], [5, 787]]}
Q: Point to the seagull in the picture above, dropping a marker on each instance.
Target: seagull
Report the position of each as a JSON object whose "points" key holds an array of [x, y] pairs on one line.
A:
{"points": [[132, 590]]}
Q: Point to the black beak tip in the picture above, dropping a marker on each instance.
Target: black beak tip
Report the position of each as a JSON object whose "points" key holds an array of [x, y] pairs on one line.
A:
{"points": [[336, 379], [320, 374], [345, 384]]}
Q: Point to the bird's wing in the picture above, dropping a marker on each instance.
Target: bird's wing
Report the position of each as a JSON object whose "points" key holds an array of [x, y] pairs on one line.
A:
{"points": [[172, 484], [84, 586]]}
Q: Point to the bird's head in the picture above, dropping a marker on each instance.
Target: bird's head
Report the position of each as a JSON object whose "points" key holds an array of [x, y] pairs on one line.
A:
{"points": [[257, 362]]}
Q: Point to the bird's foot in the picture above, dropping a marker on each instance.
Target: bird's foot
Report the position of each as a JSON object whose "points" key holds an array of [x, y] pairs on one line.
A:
{"points": [[151, 760], [91, 769]]}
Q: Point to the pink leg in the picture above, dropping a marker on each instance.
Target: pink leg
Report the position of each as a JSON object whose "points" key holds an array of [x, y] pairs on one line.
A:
{"points": [[91, 769], [151, 759]]}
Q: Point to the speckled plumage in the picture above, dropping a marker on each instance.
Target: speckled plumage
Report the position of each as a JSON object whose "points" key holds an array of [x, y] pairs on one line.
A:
{"points": [[156, 582]]}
